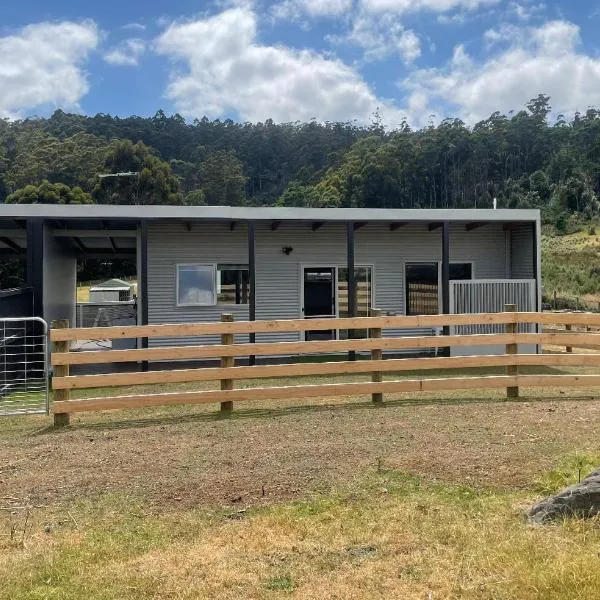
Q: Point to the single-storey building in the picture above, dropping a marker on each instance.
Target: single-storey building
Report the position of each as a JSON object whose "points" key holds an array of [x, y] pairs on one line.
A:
{"points": [[112, 290], [195, 263]]}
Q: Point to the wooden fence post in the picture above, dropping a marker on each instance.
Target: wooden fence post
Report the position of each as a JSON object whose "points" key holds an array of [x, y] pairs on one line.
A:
{"points": [[227, 361], [61, 419], [512, 370], [376, 354], [569, 328]]}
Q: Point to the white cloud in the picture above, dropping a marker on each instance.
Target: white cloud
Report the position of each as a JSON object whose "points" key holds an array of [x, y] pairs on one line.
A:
{"points": [[294, 9], [526, 9], [505, 33], [135, 26], [381, 36], [538, 60], [42, 64], [229, 70], [413, 6], [459, 18], [376, 26], [127, 53]]}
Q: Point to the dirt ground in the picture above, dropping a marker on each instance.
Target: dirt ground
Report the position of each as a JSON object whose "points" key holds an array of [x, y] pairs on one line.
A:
{"points": [[189, 456]]}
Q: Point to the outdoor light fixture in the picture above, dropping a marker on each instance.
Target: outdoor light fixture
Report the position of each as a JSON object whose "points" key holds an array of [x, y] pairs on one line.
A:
{"points": [[287, 250]]}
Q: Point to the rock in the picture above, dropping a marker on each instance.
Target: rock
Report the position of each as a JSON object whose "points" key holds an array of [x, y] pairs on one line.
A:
{"points": [[579, 500]]}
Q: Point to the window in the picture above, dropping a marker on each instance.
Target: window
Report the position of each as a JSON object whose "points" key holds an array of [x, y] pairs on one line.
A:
{"points": [[233, 284], [196, 285], [422, 288], [423, 285], [461, 271]]}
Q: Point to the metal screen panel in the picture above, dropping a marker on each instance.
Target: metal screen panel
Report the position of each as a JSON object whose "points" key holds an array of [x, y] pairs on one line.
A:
{"points": [[106, 314], [23, 366], [491, 296]]}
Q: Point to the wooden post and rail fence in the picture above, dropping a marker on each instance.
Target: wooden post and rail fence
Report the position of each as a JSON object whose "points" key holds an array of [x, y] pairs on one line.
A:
{"points": [[510, 332]]}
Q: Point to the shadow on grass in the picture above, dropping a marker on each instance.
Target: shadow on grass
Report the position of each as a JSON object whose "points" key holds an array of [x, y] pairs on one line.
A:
{"points": [[271, 413]]}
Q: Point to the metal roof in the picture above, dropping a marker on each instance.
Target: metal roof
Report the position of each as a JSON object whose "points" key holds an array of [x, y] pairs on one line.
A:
{"points": [[111, 285], [229, 213], [111, 230]]}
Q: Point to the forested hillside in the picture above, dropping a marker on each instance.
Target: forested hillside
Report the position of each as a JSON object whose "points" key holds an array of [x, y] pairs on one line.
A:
{"points": [[521, 159]]}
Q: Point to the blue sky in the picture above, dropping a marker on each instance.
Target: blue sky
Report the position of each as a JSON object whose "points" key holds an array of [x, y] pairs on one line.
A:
{"points": [[419, 60]]}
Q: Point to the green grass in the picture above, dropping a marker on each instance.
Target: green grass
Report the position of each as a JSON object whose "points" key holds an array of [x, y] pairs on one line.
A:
{"points": [[570, 265], [572, 470], [389, 535]]}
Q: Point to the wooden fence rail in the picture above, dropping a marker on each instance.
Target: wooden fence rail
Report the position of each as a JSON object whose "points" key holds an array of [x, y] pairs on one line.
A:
{"points": [[325, 324], [228, 374]]}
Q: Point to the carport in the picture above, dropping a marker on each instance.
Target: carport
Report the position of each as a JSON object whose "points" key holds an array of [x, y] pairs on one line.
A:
{"points": [[51, 247]]}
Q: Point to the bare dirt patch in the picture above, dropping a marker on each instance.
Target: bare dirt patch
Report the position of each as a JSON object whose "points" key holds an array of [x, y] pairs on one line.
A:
{"points": [[189, 457]]}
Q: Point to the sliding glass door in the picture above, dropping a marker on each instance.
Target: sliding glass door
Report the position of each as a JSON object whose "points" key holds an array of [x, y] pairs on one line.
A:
{"points": [[325, 294]]}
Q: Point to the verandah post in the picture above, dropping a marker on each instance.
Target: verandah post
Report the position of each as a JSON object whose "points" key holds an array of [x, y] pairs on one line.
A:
{"points": [[61, 419], [376, 354], [351, 282], [226, 362], [512, 349]]}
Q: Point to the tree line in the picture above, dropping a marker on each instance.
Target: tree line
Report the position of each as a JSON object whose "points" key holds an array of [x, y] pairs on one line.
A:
{"points": [[521, 159]]}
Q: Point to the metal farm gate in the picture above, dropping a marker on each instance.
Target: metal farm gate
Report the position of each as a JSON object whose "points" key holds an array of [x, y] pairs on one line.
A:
{"points": [[23, 366]]}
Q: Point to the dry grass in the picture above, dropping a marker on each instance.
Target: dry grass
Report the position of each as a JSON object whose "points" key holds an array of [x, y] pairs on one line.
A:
{"points": [[391, 536], [569, 266], [421, 498]]}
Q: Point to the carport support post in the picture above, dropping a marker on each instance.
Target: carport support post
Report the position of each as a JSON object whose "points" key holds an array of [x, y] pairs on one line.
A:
{"points": [[351, 283], [61, 419], [35, 264], [226, 362], [512, 349], [143, 296], [376, 354]]}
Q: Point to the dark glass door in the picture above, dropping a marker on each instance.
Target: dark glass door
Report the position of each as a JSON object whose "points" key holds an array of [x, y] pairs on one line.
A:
{"points": [[319, 299]]}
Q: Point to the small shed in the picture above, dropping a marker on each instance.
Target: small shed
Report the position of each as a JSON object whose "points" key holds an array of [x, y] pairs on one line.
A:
{"points": [[113, 290]]}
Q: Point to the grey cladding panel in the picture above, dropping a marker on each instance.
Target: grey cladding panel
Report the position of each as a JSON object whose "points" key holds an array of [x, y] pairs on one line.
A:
{"points": [[522, 252], [173, 244], [278, 276]]}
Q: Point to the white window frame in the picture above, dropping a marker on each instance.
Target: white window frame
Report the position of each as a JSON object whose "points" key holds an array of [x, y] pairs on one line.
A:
{"points": [[213, 268]]}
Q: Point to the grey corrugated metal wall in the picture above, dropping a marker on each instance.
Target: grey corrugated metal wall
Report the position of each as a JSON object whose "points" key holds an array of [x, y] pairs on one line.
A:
{"points": [[521, 253], [278, 276], [172, 244]]}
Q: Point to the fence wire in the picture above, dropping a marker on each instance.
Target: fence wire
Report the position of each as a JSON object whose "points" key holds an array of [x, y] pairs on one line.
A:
{"points": [[23, 366]]}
